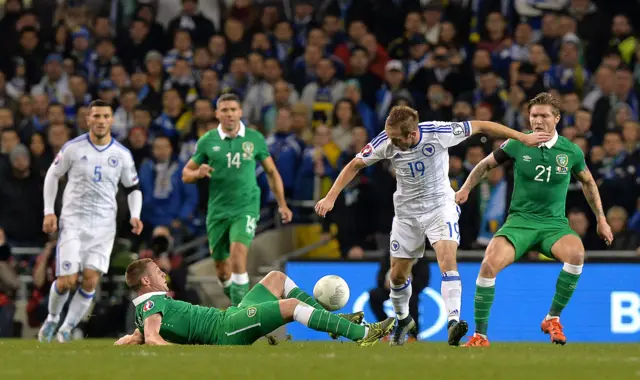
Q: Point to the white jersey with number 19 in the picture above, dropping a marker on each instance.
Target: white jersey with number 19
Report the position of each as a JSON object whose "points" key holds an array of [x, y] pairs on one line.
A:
{"points": [[422, 172]]}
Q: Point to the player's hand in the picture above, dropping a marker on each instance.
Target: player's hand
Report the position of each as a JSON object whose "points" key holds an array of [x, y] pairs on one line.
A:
{"points": [[604, 231], [285, 214], [123, 341], [137, 226], [50, 224], [204, 171], [323, 206], [461, 196], [533, 139]]}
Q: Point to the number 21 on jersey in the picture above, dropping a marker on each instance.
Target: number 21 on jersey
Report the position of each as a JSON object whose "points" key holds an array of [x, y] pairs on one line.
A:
{"points": [[541, 169], [233, 159]]}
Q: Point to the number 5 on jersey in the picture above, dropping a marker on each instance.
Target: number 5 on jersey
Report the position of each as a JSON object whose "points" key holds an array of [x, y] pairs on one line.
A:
{"points": [[233, 160]]}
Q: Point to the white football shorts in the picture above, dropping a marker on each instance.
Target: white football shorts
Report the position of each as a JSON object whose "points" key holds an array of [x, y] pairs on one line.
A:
{"points": [[80, 248]]}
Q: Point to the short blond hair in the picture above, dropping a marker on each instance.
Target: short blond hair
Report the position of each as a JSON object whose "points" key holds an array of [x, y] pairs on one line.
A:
{"points": [[544, 99], [135, 271], [403, 117]]}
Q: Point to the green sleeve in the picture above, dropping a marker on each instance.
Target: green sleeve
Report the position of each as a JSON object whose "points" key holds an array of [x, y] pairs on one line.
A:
{"points": [[510, 147], [200, 156], [154, 305], [262, 151], [579, 163]]}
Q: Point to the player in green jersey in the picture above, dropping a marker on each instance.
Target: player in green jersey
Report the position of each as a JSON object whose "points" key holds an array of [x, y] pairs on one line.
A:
{"points": [[272, 303], [536, 217], [228, 155]]}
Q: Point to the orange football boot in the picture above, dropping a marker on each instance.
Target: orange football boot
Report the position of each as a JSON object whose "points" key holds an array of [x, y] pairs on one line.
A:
{"points": [[477, 340], [554, 329]]}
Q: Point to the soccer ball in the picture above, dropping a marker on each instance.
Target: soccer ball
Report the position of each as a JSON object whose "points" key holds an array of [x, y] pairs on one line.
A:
{"points": [[332, 292]]}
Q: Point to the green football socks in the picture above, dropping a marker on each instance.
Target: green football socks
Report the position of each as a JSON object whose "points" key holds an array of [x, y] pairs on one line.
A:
{"points": [[322, 320], [485, 293], [301, 295], [565, 286]]}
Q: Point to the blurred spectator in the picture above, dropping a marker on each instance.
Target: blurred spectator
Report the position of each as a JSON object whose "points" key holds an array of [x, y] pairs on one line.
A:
{"points": [[167, 201], [21, 200], [493, 205], [623, 239], [286, 148], [580, 224], [318, 163], [9, 284], [321, 94], [193, 21]]}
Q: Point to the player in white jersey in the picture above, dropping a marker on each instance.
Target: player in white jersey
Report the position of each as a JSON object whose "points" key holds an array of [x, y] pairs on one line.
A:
{"points": [[95, 163], [424, 203]]}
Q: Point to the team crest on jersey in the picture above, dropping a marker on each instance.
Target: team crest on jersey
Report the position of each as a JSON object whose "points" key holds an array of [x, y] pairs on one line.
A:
{"points": [[251, 312], [395, 245], [428, 150], [562, 160], [148, 306], [66, 265], [247, 146], [113, 161], [367, 150]]}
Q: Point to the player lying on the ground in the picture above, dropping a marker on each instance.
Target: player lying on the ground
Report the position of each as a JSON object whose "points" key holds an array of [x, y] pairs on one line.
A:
{"points": [[536, 217], [424, 204], [272, 303]]}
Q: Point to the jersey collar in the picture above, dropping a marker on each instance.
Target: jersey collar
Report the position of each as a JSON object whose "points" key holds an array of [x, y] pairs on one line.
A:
{"points": [[140, 299], [223, 135], [549, 144]]}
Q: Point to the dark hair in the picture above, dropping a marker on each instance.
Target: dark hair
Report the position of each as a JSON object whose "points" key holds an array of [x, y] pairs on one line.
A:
{"points": [[9, 129], [135, 271], [228, 97], [99, 103], [54, 105], [545, 98]]}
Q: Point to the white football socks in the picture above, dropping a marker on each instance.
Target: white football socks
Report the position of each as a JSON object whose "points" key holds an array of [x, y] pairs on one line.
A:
{"points": [[78, 308], [56, 303], [400, 295], [451, 290]]}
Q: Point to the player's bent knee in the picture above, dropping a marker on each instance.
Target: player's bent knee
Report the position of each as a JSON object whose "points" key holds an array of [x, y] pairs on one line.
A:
{"points": [[276, 276], [288, 307], [398, 278], [66, 283]]}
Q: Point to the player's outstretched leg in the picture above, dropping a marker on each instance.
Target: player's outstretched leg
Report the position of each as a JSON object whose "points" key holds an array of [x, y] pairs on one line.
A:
{"points": [[569, 250], [291, 290], [500, 253], [80, 304], [223, 271], [58, 296], [451, 289], [322, 320], [400, 295]]}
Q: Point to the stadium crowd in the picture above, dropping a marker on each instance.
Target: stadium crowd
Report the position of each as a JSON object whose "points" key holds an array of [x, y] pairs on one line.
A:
{"points": [[317, 78]]}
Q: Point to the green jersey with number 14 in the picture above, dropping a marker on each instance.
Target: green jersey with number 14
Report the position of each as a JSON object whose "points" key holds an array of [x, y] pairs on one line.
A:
{"points": [[233, 187], [182, 322], [542, 175]]}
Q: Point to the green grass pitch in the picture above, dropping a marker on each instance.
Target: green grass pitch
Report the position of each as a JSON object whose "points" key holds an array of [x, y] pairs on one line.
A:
{"points": [[99, 359]]}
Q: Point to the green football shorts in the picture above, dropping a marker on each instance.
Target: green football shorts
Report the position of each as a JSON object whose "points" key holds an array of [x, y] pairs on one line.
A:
{"points": [[527, 235], [257, 315], [223, 232]]}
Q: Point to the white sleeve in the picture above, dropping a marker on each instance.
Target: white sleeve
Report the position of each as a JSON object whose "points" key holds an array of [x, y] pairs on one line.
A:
{"points": [[375, 150], [129, 176], [60, 166], [448, 133]]}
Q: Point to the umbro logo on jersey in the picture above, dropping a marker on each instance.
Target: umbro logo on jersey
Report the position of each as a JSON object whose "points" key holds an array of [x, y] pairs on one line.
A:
{"points": [[216, 148], [526, 158]]}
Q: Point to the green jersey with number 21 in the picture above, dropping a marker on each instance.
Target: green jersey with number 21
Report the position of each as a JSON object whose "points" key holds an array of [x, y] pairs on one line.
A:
{"points": [[542, 175], [233, 187]]}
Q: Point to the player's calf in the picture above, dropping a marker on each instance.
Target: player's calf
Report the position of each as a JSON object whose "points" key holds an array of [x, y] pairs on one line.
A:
{"points": [[80, 304], [223, 271], [451, 286]]}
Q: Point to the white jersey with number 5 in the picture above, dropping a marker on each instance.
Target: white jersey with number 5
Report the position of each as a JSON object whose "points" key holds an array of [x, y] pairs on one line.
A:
{"points": [[422, 172], [94, 173]]}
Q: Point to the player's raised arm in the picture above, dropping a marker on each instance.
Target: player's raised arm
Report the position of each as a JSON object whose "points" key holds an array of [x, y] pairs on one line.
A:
{"points": [[277, 187], [60, 166], [499, 130], [152, 331], [494, 159], [370, 154]]}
